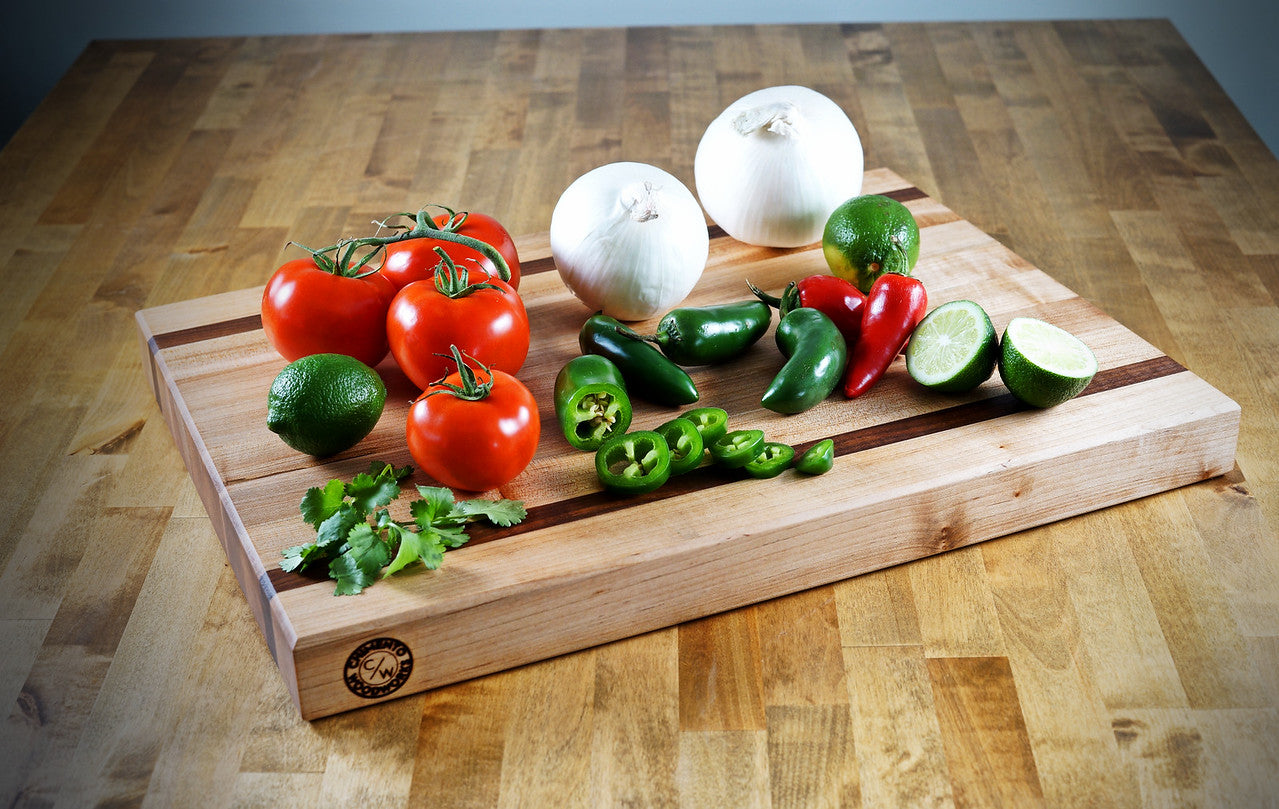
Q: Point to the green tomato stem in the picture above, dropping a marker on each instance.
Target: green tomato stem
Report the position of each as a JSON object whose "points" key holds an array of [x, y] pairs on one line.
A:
{"points": [[452, 282], [470, 389], [425, 228]]}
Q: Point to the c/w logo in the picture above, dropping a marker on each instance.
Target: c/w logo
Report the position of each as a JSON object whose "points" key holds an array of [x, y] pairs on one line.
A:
{"points": [[378, 667]]}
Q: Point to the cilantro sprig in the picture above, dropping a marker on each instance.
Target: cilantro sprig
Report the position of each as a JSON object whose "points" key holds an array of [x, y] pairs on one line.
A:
{"points": [[357, 538]]}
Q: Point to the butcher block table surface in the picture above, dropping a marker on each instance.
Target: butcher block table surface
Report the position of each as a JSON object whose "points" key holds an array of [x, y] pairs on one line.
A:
{"points": [[1127, 656]]}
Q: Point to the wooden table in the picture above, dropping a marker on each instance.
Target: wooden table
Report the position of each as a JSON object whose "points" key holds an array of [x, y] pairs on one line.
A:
{"points": [[1127, 657]]}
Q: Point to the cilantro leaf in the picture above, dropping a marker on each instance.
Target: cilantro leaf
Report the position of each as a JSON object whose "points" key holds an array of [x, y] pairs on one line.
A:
{"points": [[370, 491], [416, 546], [330, 536], [335, 530], [499, 512], [319, 504], [359, 565], [452, 536], [436, 505], [299, 556]]}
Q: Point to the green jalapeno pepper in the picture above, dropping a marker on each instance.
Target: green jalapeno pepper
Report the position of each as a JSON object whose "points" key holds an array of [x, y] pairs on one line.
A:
{"points": [[711, 422], [772, 460], [591, 401], [685, 444], [737, 448], [648, 373], [633, 463], [817, 459], [817, 355], [705, 335]]}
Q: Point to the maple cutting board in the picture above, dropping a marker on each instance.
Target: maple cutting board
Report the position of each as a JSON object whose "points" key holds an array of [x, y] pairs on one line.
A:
{"points": [[916, 474]]}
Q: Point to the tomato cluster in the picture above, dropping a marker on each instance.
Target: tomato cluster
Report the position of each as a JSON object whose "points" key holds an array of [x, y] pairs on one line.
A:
{"points": [[444, 302]]}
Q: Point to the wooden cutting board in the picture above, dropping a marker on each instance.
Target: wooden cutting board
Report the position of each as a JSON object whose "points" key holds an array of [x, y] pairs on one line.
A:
{"points": [[916, 474]]}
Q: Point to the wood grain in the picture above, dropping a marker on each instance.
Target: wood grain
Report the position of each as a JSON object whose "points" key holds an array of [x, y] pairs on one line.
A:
{"points": [[1123, 658]]}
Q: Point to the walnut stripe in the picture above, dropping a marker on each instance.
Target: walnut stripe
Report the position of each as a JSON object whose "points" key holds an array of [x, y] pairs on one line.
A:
{"points": [[904, 195], [961, 415], [208, 331], [537, 265]]}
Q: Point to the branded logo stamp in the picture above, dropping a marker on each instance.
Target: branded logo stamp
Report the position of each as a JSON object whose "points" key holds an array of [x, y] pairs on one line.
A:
{"points": [[378, 667]]}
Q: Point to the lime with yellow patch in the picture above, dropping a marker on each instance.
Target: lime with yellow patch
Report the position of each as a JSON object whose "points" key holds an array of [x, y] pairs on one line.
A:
{"points": [[868, 236]]}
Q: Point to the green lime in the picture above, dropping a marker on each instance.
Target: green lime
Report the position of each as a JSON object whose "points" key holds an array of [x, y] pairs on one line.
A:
{"points": [[953, 349], [324, 403], [868, 236], [1042, 364]]}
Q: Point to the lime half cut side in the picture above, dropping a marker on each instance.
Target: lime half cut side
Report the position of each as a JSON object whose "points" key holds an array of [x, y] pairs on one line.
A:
{"points": [[953, 349], [1044, 365]]}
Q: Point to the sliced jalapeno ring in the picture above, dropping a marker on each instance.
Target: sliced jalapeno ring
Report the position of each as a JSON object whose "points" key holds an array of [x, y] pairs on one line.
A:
{"points": [[737, 448], [685, 444], [817, 459], [633, 463], [590, 401], [711, 422], [772, 460]]}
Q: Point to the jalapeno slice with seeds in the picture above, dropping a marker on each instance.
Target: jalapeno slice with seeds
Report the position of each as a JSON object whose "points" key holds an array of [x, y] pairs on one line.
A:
{"points": [[817, 459], [711, 422], [685, 444], [773, 459], [633, 463], [737, 448], [590, 401]]}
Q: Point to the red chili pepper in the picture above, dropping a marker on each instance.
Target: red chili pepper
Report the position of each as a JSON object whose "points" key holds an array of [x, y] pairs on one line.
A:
{"points": [[839, 300], [894, 306]]}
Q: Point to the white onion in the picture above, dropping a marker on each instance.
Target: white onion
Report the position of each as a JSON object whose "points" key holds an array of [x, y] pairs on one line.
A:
{"points": [[772, 167], [629, 239]]}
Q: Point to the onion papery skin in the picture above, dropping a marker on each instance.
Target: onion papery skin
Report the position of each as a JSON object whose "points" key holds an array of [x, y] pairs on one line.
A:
{"points": [[773, 180], [629, 240]]}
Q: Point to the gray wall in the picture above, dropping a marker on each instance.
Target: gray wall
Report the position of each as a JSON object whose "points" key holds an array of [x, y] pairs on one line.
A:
{"points": [[1236, 39]]}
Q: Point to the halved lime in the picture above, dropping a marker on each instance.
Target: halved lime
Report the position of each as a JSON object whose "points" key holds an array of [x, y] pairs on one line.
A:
{"points": [[1044, 365], [954, 348]]}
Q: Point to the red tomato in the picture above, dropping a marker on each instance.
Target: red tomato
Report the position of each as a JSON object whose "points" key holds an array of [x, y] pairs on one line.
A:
{"points": [[475, 445], [490, 325], [415, 259], [307, 310]]}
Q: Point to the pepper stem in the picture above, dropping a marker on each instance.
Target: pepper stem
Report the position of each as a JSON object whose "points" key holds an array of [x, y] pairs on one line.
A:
{"points": [[787, 303]]}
